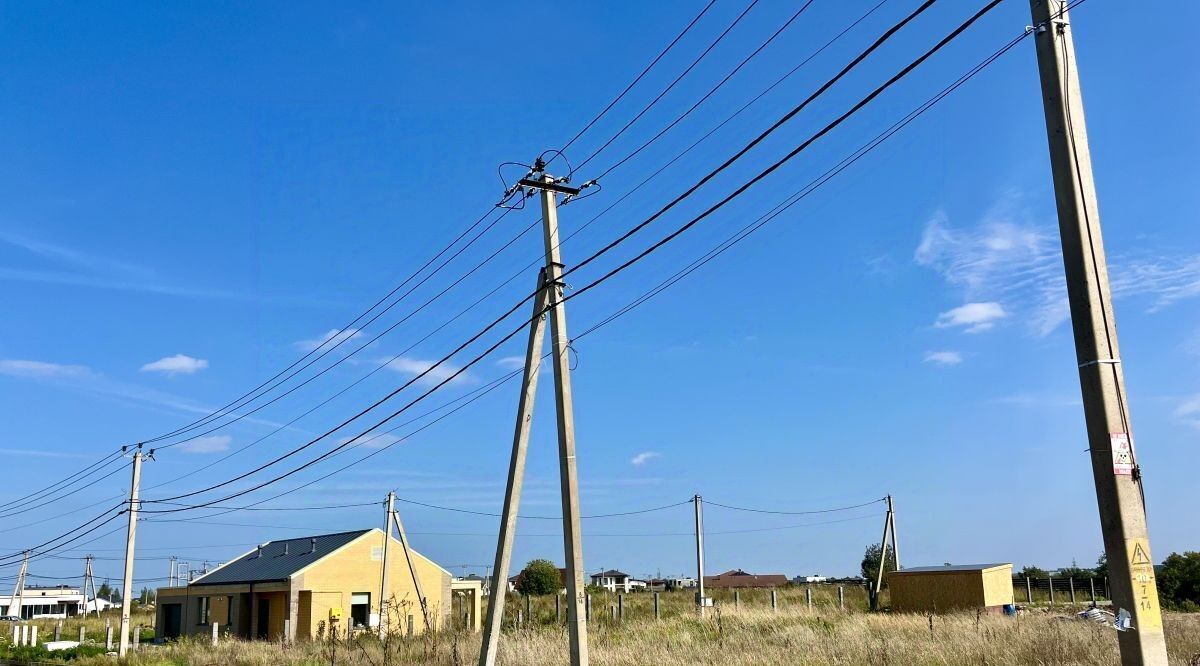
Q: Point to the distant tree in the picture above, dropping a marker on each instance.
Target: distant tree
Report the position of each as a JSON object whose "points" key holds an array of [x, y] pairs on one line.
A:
{"points": [[539, 577], [1030, 571], [1076, 571], [1102, 565], [1179, 581], [106, 591], [870, 563]]}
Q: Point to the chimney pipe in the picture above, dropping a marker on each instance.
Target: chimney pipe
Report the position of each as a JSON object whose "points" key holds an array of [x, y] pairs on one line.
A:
{"points": [[312, 543], [285, 548], [260, 551]]}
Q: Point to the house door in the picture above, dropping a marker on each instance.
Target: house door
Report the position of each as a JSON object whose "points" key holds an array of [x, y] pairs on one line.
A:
{"points": [[172, 620], [264, 617]]}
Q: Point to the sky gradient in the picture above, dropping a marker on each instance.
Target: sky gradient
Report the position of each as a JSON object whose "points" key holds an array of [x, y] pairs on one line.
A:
{"points": [[194, 196]]}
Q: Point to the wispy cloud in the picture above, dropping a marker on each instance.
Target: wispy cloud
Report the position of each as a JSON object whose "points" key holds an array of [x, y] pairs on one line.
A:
{"points": [[1188, 411], [972, 317], [644, 457], [41, 369], [179, 364], [42, 453], [435, 375], [943, 357], [209, 444], [70, 267], [1007, 258], [511, 362], [332, 337]]}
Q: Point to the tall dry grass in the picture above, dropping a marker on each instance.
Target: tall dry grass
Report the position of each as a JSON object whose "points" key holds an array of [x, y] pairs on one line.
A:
{"points": [[734, 636]]}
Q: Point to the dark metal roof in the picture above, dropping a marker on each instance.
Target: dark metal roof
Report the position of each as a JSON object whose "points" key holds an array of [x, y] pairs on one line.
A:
{"points": [[951, 568], [278, 560]]}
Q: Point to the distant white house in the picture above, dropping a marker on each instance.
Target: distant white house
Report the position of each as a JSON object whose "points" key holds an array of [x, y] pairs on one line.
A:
{"points": [[59, 601], [800, 580], [615, 581]]}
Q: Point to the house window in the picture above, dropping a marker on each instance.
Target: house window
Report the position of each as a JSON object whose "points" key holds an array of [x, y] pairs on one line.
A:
{"points": [[204, 608], [360, 608], [229, 611]]}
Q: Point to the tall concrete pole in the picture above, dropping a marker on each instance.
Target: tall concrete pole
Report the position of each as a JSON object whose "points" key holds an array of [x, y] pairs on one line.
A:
{"points": [[516, 476], [568, 474], [384, 602], [883, 554], [892, 526], [127, 589], [1118, 479], [412, 570], [699, 505], [90, 581], [18, 595]]}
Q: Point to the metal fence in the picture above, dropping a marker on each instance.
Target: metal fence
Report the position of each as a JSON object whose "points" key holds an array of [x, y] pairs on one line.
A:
{"points": [[1064, 590]]}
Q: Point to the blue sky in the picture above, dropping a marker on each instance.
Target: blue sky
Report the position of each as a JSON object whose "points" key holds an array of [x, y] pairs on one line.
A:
{"points": [[190, 196]]}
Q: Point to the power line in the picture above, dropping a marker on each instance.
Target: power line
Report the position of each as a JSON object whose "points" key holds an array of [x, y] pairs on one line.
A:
{"points": [[904, 72], [708, 502], [708, 94], [636, 79], [670, 86]]}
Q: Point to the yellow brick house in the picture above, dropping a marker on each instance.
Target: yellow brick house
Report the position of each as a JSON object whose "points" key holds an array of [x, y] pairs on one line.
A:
{"points": [[306, 588]]}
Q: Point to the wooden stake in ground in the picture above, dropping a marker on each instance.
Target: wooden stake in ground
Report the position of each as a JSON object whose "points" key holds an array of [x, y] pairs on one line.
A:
{"points": [[1119, 489]]}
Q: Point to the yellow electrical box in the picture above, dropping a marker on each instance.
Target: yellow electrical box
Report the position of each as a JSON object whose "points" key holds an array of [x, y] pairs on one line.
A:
{"points": [[335, 613]]}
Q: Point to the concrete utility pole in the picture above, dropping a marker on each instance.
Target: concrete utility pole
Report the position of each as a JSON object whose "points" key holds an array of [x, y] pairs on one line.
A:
{"points": [[888, 528], [18, 595], [389, 507], [127, 589], [516, 476], [892, 527], [412, 570], [89, 583], [548, 300], [699, 504], [1118, 479]]}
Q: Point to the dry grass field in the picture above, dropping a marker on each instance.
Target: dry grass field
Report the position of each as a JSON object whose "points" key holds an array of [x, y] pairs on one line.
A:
{"points": [[749, 634]]}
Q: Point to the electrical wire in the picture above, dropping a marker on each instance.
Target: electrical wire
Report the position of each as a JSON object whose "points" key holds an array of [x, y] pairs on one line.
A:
{"points": [[708, 94], [794, 513], [670, 86], [636, 79], [900, 75]]}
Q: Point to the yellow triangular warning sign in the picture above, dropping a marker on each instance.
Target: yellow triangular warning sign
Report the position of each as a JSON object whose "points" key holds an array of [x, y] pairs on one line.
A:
{"points": [[1139, 555]]}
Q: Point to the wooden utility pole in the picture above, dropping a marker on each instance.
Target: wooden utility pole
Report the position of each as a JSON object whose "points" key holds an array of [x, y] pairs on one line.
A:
{"points": [[389, 507], [700, 600], [1119, 489], [549, 300], [127, 589]]}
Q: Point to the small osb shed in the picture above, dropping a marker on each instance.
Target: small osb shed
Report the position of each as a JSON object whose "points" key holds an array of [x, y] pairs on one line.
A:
{"points": [[951, 587]]}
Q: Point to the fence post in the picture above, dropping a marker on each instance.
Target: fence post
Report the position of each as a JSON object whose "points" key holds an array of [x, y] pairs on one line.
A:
{"points": [[612, 612], [1051, 578], [841, 597], [24, 635], [587, 609], [17, 635], [737, 598], [1092, 586], [520, 618], [621, 607], [557, 609], [1071, 583], [1028, 590], [411, 624], [33, 635], [656, 612], [808, 597], [774, 601], [58, 631], [108, 635], [1107, 594], [214, 633], [137, 637], [82, 633], [529, 607]]}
